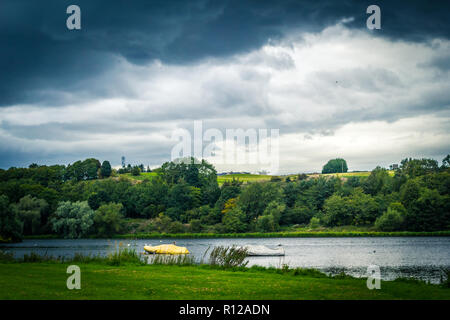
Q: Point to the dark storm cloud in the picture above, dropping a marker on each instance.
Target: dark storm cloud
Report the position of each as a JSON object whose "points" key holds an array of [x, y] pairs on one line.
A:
{"points": [[40, 59]]}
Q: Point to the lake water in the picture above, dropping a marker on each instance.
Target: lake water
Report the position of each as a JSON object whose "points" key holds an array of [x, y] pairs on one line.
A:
{"points": [[419, 257]]}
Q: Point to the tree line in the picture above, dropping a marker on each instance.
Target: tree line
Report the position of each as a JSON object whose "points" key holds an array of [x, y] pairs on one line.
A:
{"points": [[88, 198]]}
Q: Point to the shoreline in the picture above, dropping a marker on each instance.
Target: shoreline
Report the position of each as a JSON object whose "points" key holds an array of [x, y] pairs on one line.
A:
{"points": [[301, 234]]}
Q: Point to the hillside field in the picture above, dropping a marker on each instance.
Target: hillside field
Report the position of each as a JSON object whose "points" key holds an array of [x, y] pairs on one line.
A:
{"points": [[247, 178]]}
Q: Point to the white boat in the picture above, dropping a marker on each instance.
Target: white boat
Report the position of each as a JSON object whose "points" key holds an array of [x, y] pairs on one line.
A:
{"points": [[259, 250]]}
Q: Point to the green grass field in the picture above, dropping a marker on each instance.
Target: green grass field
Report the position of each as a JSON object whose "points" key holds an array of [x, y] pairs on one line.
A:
{"points": [[248, 178], [143, 176], [243, 177], [100, 281]]}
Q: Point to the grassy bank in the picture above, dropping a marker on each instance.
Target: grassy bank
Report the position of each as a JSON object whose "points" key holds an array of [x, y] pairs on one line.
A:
{"points": [[101, 281], [281, 235], [299, 234]]}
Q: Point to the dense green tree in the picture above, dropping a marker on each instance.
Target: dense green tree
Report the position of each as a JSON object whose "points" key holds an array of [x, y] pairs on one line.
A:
{"points": [[335, 166], [275, 209], [176, 227], [410, 192], [266, 223], [364, 208], [228, 191], [196, 225], [297, 215], [430, 212], [446, 162], [108, 219], [183, 196], [418, 167], [147, 199], [135, 171], [10, 225], [234, 221], [105, 169], [162, 223], [73, 219], [378, 181], [391, 220], [314, 193], [314, 222], [353, 182], [30, 211], [290, 193], [269, 220], [336, 212], [96, 199], [200, 213], [83, 170], [255, 198]]}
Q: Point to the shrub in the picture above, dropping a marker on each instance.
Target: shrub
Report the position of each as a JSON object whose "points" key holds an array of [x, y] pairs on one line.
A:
{"points": [[391, 220], [195, 225], [314, 222], [266, 223]]}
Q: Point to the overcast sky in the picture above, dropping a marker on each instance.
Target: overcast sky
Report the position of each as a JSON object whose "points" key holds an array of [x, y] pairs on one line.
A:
{"points": [[138, 70]]}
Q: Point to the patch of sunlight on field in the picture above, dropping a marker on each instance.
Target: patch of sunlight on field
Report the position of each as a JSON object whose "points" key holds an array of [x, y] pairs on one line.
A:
{"points": [[243, 177], [142, 176]]}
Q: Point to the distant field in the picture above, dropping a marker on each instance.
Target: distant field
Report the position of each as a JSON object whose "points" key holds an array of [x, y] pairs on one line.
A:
{"points": [[243, 177], [246, 178], [142, 176]]}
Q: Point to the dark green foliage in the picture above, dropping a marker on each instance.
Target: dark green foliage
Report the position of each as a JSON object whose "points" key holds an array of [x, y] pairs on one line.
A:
{"points": [[234, 221], [446, 282], [378, 181], [335, 166], [10, 225], [83, 170], [135, 171], [418, 167], [195, 173], [357, 209], [30, 211], [297, 215], [393, 219], [146, 199], [105, 170], [255, 198], [195, 225], [430, 212], [73, 219], [108, 219], [184, 196]]}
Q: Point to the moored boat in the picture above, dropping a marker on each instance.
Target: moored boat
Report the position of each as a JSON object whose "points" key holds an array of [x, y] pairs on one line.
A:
{"points": [[259, 250], [166, 249]]}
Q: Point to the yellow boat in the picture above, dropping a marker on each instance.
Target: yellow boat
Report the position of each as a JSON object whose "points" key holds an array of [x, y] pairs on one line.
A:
{"points": [[166, 249]]}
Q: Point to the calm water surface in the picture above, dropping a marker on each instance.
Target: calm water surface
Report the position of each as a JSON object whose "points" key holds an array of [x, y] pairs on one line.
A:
{"points": [[419, 257]]}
